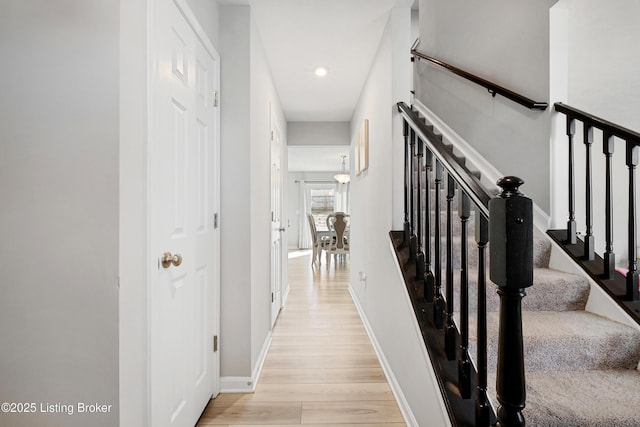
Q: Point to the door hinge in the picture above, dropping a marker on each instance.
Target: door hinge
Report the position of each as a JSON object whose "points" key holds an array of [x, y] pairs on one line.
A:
{"points": [[215, 220], [216, 100], [215, 343], [273, 297]]}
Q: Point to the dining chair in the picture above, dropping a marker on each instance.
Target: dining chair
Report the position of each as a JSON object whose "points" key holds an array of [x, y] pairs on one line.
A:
{"points": [[317, 244], [339, 243]]}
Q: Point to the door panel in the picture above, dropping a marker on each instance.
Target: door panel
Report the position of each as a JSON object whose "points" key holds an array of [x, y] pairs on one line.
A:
{"points": [[183, 200], [276, 220]]}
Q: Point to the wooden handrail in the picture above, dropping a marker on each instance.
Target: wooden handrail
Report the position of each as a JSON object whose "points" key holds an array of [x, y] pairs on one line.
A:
{"points": [[597, 122], [469, 182], [493, 88]]}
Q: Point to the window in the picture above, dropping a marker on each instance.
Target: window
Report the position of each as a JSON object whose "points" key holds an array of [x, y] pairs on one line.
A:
{"points": [[322, 204]]}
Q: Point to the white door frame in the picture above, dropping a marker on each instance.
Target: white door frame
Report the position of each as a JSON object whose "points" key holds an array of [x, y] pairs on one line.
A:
{"points": [[277, 218]]}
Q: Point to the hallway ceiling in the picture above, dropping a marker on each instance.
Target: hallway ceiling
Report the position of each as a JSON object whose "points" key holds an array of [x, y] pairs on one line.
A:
{"points": [[317, 159], [300, 35]]}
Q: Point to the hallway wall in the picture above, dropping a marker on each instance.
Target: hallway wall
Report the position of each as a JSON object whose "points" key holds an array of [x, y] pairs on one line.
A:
{"points": [[248, 102], [382, 297], [318, 133], [59, 222]]}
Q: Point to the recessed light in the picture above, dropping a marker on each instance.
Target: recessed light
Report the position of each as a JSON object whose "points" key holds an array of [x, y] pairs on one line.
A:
{"points": [[321, 71]]}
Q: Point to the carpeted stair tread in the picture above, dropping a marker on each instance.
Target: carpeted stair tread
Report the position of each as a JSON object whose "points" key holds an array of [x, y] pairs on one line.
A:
{"points": [[581, 398], [569, 340], [552, 290]]}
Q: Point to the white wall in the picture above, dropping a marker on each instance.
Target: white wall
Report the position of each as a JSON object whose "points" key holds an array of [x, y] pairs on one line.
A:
{"points": [[208, 14], [383, 297], [235, 217], [265, 107], [248, 102], [59, 222], [133, 255], [318, 133], [504, 41]]}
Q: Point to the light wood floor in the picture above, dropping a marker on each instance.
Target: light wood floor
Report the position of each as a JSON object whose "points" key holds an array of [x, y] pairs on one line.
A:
{"points": [[321, 369]]}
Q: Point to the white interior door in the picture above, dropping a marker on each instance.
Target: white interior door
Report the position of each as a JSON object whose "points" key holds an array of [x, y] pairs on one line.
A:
{"points": [[183, 201], [277, 227]]}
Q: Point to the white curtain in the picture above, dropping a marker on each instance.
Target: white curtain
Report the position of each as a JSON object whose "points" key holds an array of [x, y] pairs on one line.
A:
{"points": [[342, 202], [304, 233]]}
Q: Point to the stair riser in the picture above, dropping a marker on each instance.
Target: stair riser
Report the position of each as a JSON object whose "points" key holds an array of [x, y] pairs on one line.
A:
{"points": [[541, 251], [550, 292]]}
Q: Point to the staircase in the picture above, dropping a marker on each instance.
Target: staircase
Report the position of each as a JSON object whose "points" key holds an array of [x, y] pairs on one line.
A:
{"points": [[581, 368]]}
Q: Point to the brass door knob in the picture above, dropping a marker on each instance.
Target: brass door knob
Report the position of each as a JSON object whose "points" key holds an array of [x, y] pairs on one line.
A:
{"points": [[168, 259]]}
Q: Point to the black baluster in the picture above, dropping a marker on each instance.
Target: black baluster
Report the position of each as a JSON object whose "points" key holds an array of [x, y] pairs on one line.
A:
{"points": [[588, 238], [450, 329], [511, 267], [406, 184], [429, 280], [609, 261], [571, 223], [412, 233], [419, 251], [438, 309], [483, 408], [632, 274], [464, 363]]}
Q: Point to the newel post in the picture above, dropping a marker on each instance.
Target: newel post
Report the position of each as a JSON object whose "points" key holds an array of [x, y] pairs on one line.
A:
{"points": [[511, 269]]}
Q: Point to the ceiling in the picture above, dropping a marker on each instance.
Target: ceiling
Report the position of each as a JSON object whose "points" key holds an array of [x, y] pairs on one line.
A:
{"points": [[300, 35], [317, 159]]}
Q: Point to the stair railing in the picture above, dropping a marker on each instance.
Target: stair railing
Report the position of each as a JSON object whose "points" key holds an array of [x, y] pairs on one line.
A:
{"points": [[602, 270], [493, 88], [507, 221]]}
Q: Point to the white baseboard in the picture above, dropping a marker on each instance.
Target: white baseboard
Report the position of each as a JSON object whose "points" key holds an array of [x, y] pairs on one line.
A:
{"points": [[405, 409], [247, 384]]}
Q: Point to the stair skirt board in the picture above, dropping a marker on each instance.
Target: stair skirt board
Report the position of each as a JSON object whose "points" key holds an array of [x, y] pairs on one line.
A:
{"points": [[247, 384]]}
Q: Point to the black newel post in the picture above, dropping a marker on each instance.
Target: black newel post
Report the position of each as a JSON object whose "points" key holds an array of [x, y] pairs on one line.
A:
{"points": [[511, 268]]}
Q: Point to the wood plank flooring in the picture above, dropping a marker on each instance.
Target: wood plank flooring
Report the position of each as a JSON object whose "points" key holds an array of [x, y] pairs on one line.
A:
{"points": [[321, 369]]}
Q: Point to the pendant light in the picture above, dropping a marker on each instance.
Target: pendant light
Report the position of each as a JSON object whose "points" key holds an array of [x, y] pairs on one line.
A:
{"points": [[343, 177]]}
